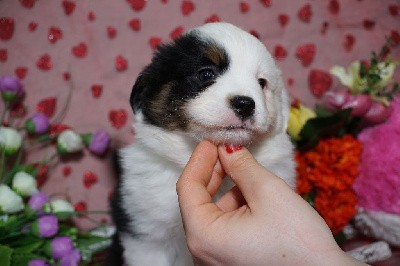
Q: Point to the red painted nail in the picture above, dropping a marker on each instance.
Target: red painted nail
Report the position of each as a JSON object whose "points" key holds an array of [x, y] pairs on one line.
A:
{"points": [[232, 148]]}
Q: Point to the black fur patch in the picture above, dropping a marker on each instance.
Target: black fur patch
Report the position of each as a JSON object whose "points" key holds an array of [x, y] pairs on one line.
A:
{"points": [[175, 75]]}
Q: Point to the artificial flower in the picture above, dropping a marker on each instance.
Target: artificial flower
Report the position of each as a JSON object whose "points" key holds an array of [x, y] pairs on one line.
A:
{"points": [[97, 142], [350, 78], [69, 142], [37, 124], [37, 201], [37, 262], [378, 113], [336, 100], [385, 71], [45, 226], [10, 140], [24, 184], [10, 202], [10, 88], [359, 104], [299, 115], [71, 259], [62, 208], [59, 247]]}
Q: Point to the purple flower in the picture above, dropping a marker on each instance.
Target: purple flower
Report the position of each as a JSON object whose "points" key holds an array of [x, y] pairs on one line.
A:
{"points": [[61, 246], [10, 88], [99, 142], [71, 259], [37, 201], [38, 124], [46, 226], [37, 262]]}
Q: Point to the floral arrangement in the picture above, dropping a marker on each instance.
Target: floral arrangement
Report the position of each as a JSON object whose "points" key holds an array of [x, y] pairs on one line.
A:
{"points": [[36, 229], [344, 159]]}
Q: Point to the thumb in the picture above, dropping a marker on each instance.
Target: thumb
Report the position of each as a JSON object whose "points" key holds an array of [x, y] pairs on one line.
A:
{"points": [[249, 176]]}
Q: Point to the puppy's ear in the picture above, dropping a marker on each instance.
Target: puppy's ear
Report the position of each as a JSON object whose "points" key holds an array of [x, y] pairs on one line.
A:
{"points": [[137, 94]]}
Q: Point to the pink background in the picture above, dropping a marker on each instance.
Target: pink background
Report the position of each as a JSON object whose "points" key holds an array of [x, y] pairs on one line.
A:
{"points": [[103, 27]]}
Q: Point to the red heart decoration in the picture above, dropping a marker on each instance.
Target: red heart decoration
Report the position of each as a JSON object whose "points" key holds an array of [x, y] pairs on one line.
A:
{"points": [[280, 52], [91, 16], [47, 106], [393, 10], [135, 24], [27, 3], [118, 118], [3, 55], [334, 7], [212, 18], [306, 53], [69, 7], [21, 72], [44, 62], [32, 26], [121, 64], [97, 89], [244, 7], [54, 34], [111, 32], [176, 32], [154, 42], [266, 3], [187, 7], [319, 82], [89, 179], [349, 41], [137, 5], [368, 24], [6, 28], [42, 175], [80, 206], [80, 50], [67, 170], [305, 13], [283, 19], [56, 129]]}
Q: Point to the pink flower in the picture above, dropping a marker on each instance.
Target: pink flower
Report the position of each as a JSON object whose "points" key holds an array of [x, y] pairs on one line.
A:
{"points": [[97, 142], [37, 124], [359, 104], [10, 88], [37, 201], [46, 226], [71, 259], [37, 262], [61, 246]]}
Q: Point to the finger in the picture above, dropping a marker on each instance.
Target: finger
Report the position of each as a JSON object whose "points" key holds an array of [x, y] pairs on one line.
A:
{"points": [[194, 198], [216, 179], [231, 201], [246, 173]]}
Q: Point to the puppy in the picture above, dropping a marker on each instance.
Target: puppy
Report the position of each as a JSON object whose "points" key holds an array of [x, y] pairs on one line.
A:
{"points": [[216, 82]]}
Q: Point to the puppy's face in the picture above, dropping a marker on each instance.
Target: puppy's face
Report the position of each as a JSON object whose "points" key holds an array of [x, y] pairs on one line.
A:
{"points": [[216, 82]]}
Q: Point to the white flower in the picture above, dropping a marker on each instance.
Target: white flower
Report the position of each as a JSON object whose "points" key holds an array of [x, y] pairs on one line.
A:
{"points": [[10, 201], [62, 208], [24, 184], [386, 71], [10, 140], [350, 78], [69, 141]]}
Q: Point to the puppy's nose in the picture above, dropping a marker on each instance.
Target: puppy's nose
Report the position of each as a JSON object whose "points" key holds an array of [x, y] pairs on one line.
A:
{"points": [[243, 106]]}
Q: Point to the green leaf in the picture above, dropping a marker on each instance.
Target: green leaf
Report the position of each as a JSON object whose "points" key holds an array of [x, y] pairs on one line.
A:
{"points": [[19, 259], [31, 246], [89, 245], [322, 112], [5, 255]]}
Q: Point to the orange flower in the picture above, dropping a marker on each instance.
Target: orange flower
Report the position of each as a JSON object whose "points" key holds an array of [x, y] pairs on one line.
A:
{"points": [[329, 170]]}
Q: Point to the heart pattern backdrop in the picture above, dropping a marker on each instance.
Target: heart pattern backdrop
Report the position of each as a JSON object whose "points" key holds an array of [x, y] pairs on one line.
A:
{"points": [[95, 50]]}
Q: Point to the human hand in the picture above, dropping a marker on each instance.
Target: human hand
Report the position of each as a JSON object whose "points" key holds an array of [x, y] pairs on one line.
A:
{"points": [[260, 221]]}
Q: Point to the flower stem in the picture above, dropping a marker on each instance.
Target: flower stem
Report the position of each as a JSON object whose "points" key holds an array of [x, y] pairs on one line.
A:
{"points": [[2, 164], [3, 115]]}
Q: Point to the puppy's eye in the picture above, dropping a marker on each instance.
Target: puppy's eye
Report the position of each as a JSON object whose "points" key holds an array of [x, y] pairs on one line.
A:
{"points": [[262, 82], [206, 74]]}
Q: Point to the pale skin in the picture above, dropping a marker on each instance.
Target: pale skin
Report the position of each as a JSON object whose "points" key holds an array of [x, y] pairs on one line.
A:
{"points": [[261, 221]]}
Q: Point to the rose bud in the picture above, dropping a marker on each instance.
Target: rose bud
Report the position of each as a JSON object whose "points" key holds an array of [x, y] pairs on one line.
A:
{"points": [[45, 226], [10, 88], [359, 104], [59, 247], [69, 142], [10, 140], [62, 208], [37, 124], [37, 201], [24, 184], [71, 259], [37, 262], [336, 99], [378, 113], [10, 202], [97, 142]]}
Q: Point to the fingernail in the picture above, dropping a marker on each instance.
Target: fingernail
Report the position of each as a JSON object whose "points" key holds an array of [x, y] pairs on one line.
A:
{"points": [[232, 148]]}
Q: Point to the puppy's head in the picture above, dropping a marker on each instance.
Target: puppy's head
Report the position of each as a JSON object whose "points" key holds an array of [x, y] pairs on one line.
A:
{"points": [[216, 82]]}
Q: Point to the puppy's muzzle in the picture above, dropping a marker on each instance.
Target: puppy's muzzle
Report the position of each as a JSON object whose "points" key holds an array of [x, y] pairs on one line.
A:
{"points": [[243, 106]]}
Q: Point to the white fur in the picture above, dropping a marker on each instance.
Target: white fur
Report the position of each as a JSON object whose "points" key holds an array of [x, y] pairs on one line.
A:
{"points": [[153, 164]]}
